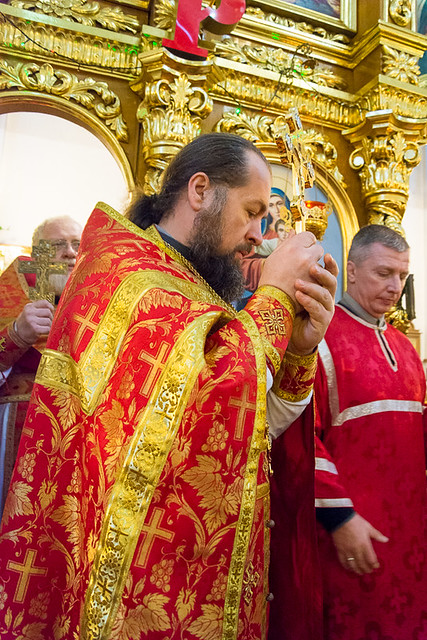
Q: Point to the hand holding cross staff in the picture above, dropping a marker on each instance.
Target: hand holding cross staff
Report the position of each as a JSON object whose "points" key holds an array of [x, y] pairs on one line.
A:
{"points": [[36, 318], [311, 286]]}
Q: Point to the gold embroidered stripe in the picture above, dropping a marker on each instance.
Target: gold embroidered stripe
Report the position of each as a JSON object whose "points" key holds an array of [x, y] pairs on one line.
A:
{"points": [[134, 488], [88, 378], [244, 524]]}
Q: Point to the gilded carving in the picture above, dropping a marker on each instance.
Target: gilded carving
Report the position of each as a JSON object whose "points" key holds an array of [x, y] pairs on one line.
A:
{"points": [[401, 102], [88, 92], [165, 11], [400, 65], [83, 12], [400, 12], [164, 14], [384, 164], [300, 26], [171, 115], [260, 92], [398, 317], [264, 129], [85, 49], [278, 60]]}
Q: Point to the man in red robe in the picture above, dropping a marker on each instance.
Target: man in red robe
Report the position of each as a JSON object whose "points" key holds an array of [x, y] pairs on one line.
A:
{"points": [[141, 508], [370, 464], [24, 326]]}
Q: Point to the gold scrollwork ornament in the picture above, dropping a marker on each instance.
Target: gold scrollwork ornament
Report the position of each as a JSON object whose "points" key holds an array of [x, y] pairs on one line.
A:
{"points": [[89, 93], [83, 12]]}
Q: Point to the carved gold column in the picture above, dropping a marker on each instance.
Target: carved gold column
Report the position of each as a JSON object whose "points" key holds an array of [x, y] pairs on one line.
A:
{"points": [[386, 151], [175, 101]]}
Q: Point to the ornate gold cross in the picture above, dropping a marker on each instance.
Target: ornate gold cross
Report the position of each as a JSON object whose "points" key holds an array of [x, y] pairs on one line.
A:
{"points": [[294, 154], [42, 265]]}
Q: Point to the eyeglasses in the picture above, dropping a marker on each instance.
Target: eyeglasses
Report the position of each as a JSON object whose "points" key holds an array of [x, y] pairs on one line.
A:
{"points": [[63, 244]]}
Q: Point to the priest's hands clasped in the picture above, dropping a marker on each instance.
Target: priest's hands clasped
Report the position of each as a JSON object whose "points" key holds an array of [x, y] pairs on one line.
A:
{"points": [[293, 267]]}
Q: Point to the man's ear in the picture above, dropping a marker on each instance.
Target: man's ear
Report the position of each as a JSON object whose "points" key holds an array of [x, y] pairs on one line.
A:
{"points": [[197, 188], [351, 272]]}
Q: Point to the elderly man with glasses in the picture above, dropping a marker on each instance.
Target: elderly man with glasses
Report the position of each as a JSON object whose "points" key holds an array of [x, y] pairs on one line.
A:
{"points": [[24, 327]]}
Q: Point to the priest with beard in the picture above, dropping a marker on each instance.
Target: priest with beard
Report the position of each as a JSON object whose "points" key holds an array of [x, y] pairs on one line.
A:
{"points": [[140, 508], [24, 327]]}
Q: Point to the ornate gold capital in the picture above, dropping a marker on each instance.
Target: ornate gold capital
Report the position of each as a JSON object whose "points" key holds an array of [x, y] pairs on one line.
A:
{"points": [[386, 151], [175, 101]]}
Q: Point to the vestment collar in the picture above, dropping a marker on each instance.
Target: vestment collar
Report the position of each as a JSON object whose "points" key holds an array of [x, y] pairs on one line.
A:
{"points": [[354, 307]]}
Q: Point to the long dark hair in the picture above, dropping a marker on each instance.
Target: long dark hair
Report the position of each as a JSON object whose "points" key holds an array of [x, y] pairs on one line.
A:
{"points": [[222, 156]]}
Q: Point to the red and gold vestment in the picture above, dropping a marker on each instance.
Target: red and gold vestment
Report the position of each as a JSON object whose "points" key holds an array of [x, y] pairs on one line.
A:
{"points": [[138, 509], [18, 366], [370, 391]]}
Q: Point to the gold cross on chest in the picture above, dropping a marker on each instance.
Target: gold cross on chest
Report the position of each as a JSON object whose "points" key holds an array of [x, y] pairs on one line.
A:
{"points": [[243, 405], [27, 569], [294, 153], [43, 266], [153, 530]]}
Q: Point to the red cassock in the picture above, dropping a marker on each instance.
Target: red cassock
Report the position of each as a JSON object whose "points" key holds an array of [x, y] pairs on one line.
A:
{"points": [[370, 390]]}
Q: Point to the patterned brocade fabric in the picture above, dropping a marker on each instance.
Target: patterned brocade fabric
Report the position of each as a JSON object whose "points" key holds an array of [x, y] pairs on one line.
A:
{"points": [[138, 507], [296, 376]]}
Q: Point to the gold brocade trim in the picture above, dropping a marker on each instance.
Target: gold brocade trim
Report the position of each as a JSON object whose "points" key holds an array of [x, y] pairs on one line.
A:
{"points": [[266, 564], [308, 363], [245, 521], [21, 278], [152, 235], [88, 378], [279, 295], [272, 354], [134, 488]]}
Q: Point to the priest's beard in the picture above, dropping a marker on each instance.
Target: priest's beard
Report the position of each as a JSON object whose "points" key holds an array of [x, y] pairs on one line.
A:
{"points": [[57, 282], [222, 272]]}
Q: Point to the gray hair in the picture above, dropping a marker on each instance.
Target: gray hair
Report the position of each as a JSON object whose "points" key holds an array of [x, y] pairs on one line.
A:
{"points": [[371, 234], [38, 231]]}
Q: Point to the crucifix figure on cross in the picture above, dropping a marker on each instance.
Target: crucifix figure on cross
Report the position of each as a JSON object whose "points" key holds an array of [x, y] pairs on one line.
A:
{"points": [[293, 153], [43, 265]]}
